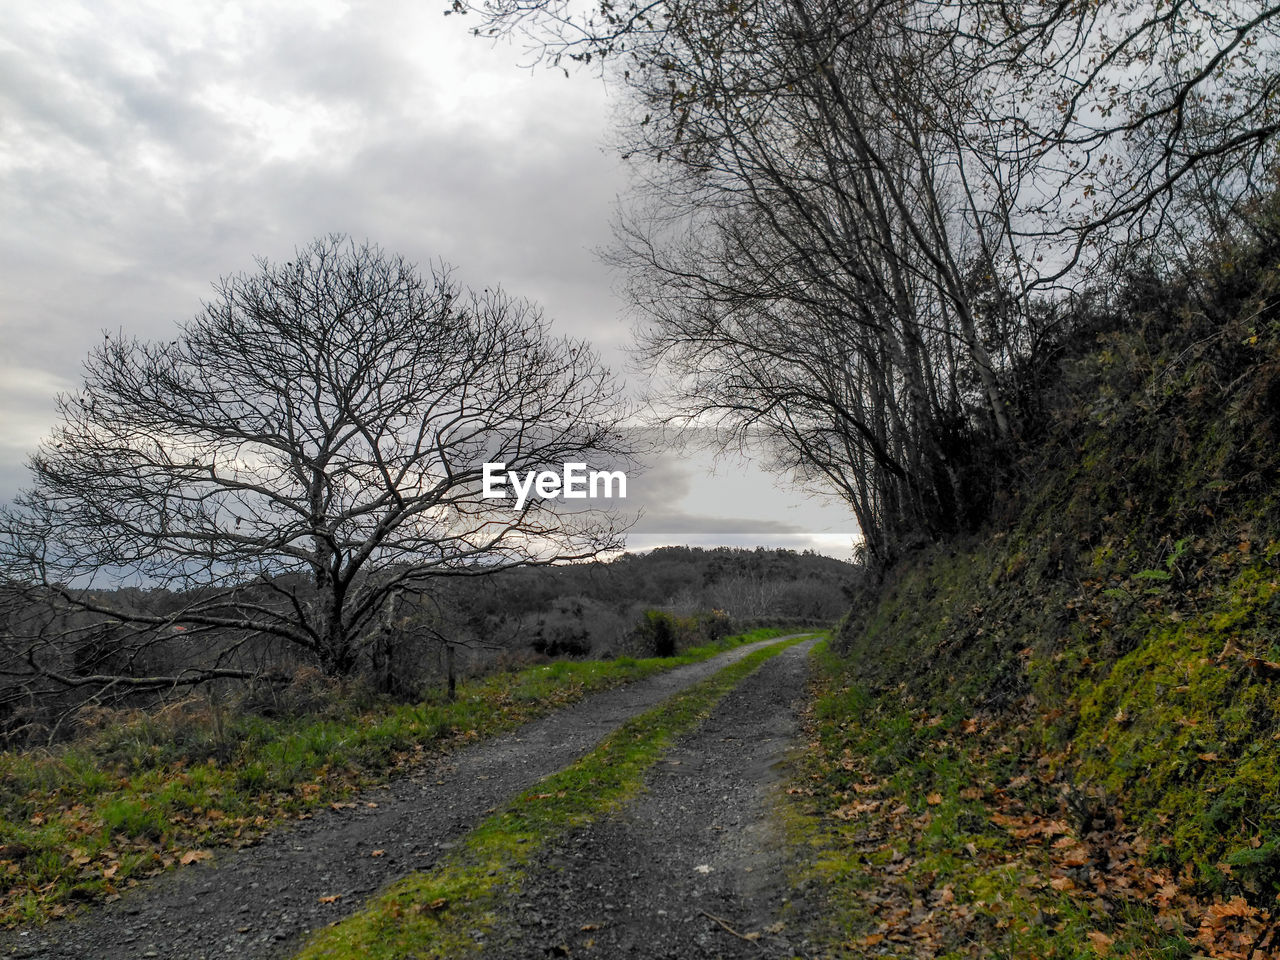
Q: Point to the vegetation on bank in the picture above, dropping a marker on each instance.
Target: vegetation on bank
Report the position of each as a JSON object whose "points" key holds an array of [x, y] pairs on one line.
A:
{"points": [[149, 791], [1062, 738], [444, 912]]}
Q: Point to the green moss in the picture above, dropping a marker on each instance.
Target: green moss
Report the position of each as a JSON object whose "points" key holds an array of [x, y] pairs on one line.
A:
{"points": [[1110, 636]]}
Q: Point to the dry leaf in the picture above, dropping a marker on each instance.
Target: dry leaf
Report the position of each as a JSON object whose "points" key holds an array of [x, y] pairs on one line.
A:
{"points": [[1236, 907], [333, 899], [1101, 942], [851, 811], [191, 856], [1264, 668]]}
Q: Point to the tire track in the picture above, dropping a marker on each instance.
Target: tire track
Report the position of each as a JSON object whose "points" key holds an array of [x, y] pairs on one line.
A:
{"points": [[695, 866], [259, 902]]}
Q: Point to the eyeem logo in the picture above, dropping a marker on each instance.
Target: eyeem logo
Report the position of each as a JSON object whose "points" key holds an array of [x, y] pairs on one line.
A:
{"points": [[575, 482]]}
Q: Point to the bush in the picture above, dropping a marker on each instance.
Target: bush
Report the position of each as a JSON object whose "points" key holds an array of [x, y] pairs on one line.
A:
{"points": [[714, 626], [657, 633], [661, 633]]}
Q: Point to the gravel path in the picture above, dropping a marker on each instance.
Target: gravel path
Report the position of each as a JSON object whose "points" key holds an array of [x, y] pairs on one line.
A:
{"points": [[259, 902], [700, 850]]}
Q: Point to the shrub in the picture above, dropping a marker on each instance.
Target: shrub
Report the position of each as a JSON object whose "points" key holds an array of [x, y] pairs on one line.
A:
{"points": [[657, 632]]}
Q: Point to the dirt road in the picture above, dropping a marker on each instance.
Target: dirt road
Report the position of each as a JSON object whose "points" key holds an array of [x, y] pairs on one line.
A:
{"points": [[695, 866], [261, 901]]}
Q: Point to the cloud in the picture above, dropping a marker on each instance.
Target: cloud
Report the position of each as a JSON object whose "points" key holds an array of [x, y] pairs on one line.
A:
{"points": [[147, 149]]}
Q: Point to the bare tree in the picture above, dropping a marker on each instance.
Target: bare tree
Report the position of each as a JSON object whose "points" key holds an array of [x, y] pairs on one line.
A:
{"points": [[307, 448], [858, 223], [803, 264]]}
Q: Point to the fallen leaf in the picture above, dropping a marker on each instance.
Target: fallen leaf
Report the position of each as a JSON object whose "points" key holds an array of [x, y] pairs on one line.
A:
{"points": [[438, 904], [1265, 668], [588, 927], [378, 853], [933, 799], [1236, 907], [333, 899], [1101, 942], [851, 811], [191, 856]]}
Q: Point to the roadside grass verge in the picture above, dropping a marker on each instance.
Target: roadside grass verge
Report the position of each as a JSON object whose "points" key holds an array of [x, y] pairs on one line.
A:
{"points": [[444, 912], [948, 836], [82, 822]]}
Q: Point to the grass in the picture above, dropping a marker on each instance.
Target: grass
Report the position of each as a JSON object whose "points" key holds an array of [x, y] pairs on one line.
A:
{"points": [[936, 836], [1104, 787], [86, 820], [446, 911]]}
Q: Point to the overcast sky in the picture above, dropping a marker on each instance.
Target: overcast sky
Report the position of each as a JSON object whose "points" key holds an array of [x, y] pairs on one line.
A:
{"points": [[147, 149]]}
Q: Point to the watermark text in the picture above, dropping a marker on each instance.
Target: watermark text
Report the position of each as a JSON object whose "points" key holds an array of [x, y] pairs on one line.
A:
{"points": [[573, 482]]}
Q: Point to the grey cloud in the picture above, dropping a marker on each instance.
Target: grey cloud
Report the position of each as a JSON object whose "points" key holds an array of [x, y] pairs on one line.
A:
{"points": [[127, 192]]}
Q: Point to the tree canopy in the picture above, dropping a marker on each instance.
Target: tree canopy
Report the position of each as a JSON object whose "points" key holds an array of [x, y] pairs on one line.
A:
{"points": [[857, 228], [308, 446]]}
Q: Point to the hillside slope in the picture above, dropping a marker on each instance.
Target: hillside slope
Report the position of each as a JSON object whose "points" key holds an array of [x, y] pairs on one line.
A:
{"points": [[1062, 738]]}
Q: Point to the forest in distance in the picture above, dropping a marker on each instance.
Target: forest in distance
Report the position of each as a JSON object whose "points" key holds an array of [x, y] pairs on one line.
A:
{"points": [[600, 609]]}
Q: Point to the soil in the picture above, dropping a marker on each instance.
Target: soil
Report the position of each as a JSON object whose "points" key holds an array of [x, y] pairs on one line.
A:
{"points": [[260, 902], [695, 867]]}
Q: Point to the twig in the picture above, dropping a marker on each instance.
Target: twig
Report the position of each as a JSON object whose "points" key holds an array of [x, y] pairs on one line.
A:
{"points": [[712, 916]]}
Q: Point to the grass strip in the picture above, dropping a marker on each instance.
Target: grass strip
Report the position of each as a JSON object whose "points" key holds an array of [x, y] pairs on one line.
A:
{"points": [[148, 791], [445, 911]]}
